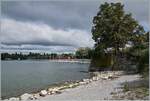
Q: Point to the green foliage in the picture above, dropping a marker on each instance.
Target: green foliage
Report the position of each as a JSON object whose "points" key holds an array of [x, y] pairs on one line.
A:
{"points": [[139, 54], [113, 28], [83, 53], [143, 65], [136, 51], [126, 87], [20, 56]]}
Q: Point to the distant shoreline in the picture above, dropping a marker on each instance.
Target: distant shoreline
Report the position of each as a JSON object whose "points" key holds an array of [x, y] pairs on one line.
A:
{"points": [[57, 60]]}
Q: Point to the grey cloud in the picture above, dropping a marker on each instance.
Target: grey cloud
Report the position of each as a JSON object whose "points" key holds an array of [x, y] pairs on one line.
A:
{"points": [[57, 14], [39, 42], [64, 14], [36, 48], [41, 34]]}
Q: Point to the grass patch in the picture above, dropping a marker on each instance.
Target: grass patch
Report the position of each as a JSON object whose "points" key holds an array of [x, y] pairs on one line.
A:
{"points": [[136, 91], [126, 87]]}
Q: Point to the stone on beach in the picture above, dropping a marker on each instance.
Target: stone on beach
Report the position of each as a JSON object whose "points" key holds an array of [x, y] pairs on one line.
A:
{"points": [[82, 83], [54, 90], [26, 96], [90, 80], [105, 77], [86, 80], [62, 87], [36, 96], [76, 84], [71, 86], [43, 93], [13, 99], [95, 78]]}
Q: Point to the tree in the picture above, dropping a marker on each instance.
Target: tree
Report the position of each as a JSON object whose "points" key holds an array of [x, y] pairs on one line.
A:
{"points": [[113, 28], [83, 53]]}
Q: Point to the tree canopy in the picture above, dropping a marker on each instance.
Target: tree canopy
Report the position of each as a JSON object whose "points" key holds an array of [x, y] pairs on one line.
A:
{"points": [[112, 27]]}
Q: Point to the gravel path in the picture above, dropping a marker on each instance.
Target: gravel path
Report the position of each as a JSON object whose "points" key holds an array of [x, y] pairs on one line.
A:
{"points": [[97, 90]]}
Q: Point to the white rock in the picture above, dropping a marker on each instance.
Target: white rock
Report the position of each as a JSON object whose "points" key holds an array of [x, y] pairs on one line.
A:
{"points": [[104, 77], [86, 80], [76, 84], [25, 96], [43, 93], [71, 85], [49, 93], [95, 78], [90, 80], [54, 90], [62, 87], [36, 96], [50, 89], [32, 98], [110, 75], [13, 99], [82, 83]]}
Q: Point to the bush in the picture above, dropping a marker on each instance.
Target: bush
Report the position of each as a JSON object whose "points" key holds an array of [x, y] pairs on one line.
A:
{"points": [[143, 66], [102, 62]]}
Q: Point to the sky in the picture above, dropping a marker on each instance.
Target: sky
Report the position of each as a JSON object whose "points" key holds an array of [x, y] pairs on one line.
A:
{"points": [[56, 25]]}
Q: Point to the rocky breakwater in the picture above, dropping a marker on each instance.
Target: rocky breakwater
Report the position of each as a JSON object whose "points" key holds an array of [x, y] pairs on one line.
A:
{"points": [[105, 75]]}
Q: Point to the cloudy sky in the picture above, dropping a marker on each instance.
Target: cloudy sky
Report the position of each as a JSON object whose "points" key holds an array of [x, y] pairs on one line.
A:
{"points": [[56, 26]]}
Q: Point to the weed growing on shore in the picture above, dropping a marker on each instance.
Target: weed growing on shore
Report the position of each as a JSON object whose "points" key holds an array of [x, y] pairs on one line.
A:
{"points": [[126, 87]]}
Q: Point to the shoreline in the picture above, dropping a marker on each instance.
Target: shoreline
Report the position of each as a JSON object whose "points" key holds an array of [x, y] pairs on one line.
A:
{"points": [[59, 88], [54, 85], [104, 85]]}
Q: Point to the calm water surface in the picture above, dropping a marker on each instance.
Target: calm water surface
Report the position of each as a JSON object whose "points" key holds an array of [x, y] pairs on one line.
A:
{"points": [[28, 76]]}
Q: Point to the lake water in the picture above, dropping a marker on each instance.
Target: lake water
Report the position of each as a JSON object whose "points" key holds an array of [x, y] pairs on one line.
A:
{"points": [[19, 77]]}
